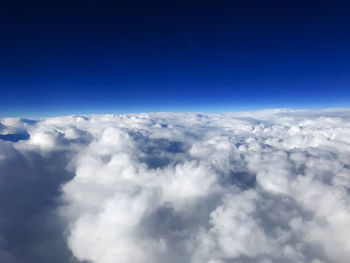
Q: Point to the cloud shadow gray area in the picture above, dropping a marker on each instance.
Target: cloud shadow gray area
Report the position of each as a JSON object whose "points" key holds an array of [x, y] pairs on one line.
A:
{"points": [[174, 226], [243, 179], [30, 230], [159, 153]]}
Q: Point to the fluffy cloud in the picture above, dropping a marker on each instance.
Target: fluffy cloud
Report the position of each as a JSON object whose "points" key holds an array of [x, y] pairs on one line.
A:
{"points": [[266, 186]]}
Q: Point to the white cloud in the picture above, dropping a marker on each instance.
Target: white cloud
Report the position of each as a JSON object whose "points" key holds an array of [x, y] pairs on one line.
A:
{"points": [[266, 186]]}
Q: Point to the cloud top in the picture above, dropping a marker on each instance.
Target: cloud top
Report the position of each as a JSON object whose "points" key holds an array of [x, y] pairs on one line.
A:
{"points": [[268, 186]]}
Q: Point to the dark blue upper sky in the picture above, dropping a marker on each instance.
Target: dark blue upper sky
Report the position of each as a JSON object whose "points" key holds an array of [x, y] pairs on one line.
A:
{"points": [[62, 57]]}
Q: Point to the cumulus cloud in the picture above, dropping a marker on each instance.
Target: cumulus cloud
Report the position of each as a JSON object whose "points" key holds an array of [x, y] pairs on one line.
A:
{"points": [[267, 186]]}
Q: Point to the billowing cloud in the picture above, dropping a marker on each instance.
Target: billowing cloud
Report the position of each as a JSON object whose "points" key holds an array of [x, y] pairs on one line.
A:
{"points": [[267, 186]]}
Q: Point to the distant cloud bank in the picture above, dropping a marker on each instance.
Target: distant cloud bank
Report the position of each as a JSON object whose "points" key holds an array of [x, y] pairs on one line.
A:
{"points": [[265, 187]]}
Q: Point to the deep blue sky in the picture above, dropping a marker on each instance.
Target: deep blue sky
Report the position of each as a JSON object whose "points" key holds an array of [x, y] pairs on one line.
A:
{"points": [[62, 57]]}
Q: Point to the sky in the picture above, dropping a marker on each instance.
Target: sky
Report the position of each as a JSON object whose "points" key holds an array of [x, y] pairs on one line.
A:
{"points": [[72, 57]]}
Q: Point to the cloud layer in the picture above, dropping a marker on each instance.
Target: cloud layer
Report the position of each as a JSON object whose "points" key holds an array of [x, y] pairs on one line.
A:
{"points": [[266, 186]]}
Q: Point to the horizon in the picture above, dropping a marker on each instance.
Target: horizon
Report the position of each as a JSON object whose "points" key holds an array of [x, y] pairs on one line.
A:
{"points": [[45, 116]]}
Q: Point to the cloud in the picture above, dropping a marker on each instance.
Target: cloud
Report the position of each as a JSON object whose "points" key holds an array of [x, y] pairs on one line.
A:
{"points": [[266, 186]]}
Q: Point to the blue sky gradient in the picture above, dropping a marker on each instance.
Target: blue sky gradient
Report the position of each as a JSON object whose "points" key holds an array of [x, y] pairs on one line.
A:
{"points": [[64, 57]]}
